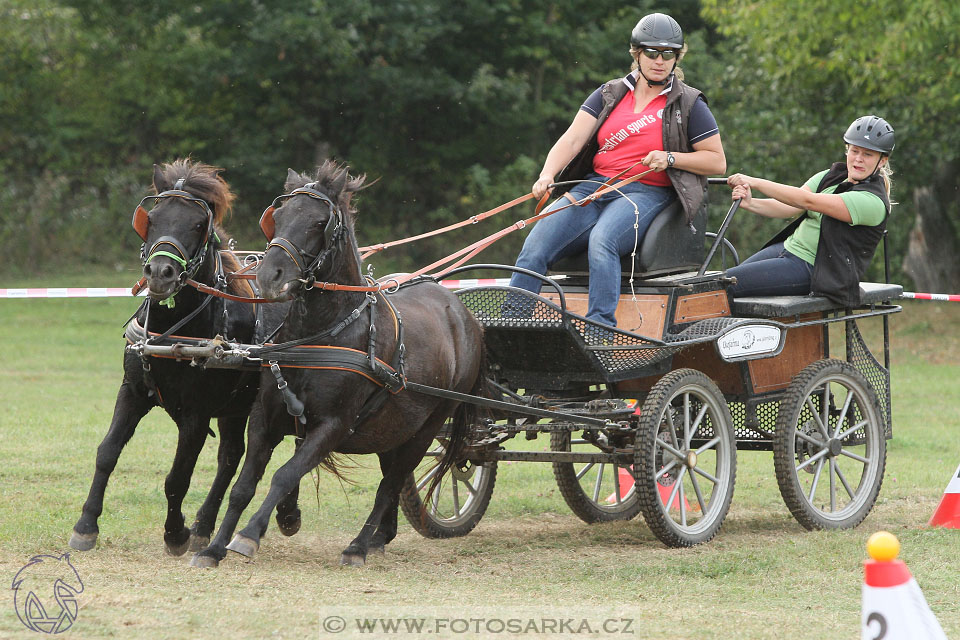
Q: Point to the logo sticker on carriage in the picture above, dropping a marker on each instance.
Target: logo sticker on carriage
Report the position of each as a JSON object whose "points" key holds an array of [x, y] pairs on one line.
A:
{"points": [[750, 340]]}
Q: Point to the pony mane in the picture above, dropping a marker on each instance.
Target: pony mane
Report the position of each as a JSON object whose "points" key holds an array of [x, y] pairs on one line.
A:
{"points": [[204, 182], [333, 179]]}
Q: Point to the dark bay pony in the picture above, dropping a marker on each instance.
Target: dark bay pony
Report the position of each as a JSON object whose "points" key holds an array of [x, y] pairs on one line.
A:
{"points": [[182, 240], [311, 229]]}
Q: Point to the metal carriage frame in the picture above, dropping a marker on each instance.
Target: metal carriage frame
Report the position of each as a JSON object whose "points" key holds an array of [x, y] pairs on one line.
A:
{"points": [[782, 393]]}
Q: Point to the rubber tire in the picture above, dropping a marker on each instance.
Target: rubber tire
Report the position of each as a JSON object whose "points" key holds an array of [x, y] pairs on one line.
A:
{"points": [[648, 464], [430, 526], [784, 445], [573, 494]]}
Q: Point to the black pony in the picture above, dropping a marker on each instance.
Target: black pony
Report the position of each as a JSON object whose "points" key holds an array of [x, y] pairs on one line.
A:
{"points": [[349, 373], [182, 241]]}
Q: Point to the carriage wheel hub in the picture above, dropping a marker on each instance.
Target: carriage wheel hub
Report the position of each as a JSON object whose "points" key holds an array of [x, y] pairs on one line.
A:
{"points": [[835, 447], [691, 459]]}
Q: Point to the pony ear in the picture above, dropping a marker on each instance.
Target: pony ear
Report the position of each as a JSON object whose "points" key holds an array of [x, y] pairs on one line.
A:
{"points": [[339, 182], [160, 182], [292, 178]]}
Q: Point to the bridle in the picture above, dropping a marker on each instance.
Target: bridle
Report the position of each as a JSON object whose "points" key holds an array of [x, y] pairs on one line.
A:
{"points": [[168, 246], [333, 232]]}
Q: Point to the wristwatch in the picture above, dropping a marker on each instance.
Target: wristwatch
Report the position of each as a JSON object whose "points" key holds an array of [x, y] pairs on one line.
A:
{"points": [[670, 159]]}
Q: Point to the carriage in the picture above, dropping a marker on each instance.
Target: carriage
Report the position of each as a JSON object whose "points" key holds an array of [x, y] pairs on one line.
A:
{"points": [[648, 417]]}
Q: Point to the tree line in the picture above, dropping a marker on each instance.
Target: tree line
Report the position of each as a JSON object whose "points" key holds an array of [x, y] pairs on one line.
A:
{"points": [[451, 107]]}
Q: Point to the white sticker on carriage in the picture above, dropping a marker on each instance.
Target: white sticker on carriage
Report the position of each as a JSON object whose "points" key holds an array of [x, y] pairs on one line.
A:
{"points": [[749, 341]]}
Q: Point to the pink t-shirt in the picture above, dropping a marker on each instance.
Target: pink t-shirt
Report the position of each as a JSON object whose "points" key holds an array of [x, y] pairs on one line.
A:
{"points": [[626, 137]]}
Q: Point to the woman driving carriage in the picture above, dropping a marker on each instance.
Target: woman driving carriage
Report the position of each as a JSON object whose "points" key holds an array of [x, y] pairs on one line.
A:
{"points": [[842, 216], [649, 119]]}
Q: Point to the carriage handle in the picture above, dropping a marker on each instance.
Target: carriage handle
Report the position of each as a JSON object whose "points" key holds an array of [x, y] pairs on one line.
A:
{"points": [[722, 231]]}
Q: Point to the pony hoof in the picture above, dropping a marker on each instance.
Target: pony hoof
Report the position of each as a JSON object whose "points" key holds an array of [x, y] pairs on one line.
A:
{"points": [[288, 526], [198, 543], [176, 550], [204, 562], [352, 560], [377, 548], [243, 545], [83, 541]]}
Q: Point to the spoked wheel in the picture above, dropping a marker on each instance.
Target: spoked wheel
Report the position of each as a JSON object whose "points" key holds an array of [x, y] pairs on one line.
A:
{"points": [[458, 502], [829, 448], [686, 459], [595, 491]]}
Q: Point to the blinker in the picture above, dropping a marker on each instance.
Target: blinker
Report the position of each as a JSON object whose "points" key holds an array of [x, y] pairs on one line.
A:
{"points": [[141, 221], [266, 222]]}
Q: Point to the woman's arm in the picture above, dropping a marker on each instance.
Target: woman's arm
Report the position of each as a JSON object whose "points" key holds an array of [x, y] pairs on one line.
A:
{"points": [[706, 159], [564, 150], [795, 199]]}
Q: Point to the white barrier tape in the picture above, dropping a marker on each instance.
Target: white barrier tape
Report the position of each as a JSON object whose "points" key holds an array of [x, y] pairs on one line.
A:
{"points": [[124, 292], [939, 297], [475, 282], [67, 292]]}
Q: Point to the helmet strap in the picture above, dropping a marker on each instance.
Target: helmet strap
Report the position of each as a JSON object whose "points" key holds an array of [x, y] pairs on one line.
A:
{"points": [[656, 83]]}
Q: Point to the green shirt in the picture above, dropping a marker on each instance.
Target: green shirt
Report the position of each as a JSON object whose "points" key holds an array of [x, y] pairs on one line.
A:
{"points": [[865, 209]]}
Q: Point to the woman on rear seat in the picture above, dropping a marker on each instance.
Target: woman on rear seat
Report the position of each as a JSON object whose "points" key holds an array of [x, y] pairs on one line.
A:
{"points": [[842, 216], [648, 120]]}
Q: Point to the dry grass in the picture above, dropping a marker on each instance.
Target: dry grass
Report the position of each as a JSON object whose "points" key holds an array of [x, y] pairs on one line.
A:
{"points": [[762, 577]]}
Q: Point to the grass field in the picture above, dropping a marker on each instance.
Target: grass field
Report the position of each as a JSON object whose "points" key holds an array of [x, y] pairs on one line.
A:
{"points": [[763, 576]]}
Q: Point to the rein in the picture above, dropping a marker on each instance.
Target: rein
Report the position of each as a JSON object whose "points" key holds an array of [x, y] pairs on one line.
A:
{"points": [[394, 283]]}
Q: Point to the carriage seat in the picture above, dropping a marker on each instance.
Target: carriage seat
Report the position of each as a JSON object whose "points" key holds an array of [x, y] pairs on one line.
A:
{"points": [[669, 246], [784, 306]]}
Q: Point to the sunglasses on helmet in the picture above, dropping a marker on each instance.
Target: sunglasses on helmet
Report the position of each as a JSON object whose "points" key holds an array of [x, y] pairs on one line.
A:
{"points": [[653, 54]]}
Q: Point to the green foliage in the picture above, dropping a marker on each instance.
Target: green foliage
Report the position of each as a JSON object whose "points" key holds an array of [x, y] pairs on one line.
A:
{"points": [[453, 109], [800, 72]]}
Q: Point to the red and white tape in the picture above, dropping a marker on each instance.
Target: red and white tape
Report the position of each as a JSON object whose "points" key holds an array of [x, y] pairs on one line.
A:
{"points": [[124, 292], [939, 297]]}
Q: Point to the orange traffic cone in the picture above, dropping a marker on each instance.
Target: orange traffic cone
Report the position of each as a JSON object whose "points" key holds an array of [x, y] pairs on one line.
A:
{"points": [[948, 513], [893, 605]]}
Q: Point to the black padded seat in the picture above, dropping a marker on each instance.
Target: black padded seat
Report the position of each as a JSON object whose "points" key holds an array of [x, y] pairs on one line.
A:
{"points": [[669, 246], [784, 306]]}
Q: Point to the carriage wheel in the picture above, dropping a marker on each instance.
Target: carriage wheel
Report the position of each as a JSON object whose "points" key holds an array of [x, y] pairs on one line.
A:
{"points": [[458, 502], [595, 491], [829, 448], [686, 459]]}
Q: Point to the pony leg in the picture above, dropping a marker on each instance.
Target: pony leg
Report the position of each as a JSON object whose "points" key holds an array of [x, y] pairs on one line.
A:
{"points": [[404, 459], [193, 433], [130, 407], [315, 447], [260, 445], [229, 455], [387, 529], [288, 513]]}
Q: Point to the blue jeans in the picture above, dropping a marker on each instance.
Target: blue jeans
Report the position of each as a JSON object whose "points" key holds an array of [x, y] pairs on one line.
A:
{"points": [[604, 228], [773, 271]]}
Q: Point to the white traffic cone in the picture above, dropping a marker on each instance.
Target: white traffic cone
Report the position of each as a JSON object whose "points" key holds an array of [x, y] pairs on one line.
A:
{"points": [[948, 513], [893, 605]]}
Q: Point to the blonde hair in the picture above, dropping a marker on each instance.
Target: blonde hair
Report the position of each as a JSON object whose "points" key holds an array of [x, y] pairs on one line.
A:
{"points": [[885, 172], [677, 71]]}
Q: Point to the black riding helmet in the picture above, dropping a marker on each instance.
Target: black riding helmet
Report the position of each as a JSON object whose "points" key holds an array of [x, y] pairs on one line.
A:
{"points": [[657, 30], [870, 132]]}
